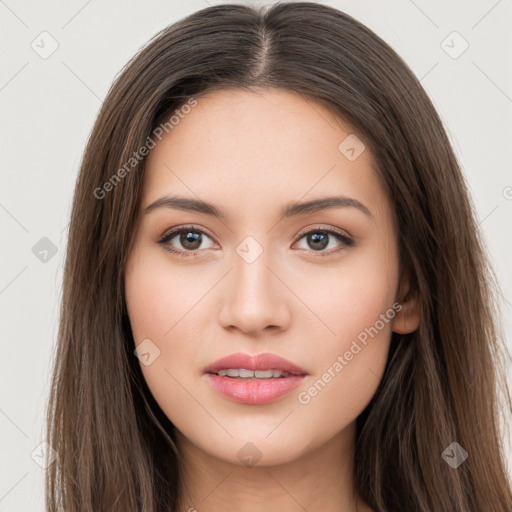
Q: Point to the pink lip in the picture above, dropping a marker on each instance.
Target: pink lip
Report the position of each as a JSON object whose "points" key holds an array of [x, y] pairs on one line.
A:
{"points": [[265, 361], [252, 391]]}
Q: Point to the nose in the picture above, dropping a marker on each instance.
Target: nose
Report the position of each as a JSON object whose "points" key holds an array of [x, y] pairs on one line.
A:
{"points": [[255, 299]]}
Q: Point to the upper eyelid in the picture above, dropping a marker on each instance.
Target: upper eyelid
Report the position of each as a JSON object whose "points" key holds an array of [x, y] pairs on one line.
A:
{"points": [[177, 230], [331, 229]]}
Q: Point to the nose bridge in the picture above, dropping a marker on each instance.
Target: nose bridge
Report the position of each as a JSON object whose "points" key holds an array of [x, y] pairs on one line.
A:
{"points": [[255, 297], [252, 274]]}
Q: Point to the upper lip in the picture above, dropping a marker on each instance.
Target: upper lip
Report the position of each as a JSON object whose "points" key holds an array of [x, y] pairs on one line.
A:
{"points": [[266, 361]]}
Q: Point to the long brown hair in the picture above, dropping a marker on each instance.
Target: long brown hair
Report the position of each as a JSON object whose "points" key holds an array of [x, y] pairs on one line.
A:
{"points": [[116, 448]]}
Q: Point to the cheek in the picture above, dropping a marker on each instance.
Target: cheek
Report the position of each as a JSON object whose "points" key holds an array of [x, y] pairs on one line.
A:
{"points": [[348, 298], [158, 295], [356, 303], [158, 313]]}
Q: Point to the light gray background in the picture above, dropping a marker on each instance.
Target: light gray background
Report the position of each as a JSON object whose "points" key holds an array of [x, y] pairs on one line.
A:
{"points": [[49, 105]]}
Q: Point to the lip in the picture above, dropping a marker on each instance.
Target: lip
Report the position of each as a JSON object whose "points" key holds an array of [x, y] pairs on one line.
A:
{"points": [[265, 361], [252, 391]]}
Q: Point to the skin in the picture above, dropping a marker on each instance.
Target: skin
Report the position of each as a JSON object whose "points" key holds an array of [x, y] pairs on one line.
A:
{"points": [[250, 153]]}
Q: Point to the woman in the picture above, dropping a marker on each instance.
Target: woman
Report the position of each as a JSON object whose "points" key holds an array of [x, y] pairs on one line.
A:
{"points": [[275, 294]]}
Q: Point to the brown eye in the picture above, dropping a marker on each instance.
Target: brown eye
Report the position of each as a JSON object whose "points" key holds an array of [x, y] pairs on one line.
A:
{"points": [[318, 240], [184, 240], [190, 240]]}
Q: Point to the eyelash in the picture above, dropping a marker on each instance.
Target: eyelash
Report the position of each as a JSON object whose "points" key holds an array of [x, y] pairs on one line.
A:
{"points": [[167, 237]]}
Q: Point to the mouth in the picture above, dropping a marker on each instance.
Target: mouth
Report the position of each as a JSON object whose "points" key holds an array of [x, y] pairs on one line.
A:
{"points": [[260, 366], [242, 373], [254, 380]]}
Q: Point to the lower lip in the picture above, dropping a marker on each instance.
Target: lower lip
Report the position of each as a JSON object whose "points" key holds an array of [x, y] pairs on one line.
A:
{"points": [[252, 391]]}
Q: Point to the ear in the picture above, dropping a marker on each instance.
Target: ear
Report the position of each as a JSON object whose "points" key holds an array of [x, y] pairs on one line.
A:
{"points": [[407, 319]]}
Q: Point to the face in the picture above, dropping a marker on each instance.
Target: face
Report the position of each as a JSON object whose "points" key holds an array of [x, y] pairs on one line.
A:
{"points": [[316, 286]]}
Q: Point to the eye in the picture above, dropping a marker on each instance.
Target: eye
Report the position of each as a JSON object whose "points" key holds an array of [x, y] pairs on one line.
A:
{"points": [[190, 239], [320, 238]]}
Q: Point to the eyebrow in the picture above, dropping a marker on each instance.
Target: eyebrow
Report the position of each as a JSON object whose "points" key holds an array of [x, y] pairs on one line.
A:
{"points": [[290, 210]]}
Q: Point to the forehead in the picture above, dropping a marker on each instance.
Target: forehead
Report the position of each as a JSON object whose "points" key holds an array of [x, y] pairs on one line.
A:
{"points": [[245, 149]]}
